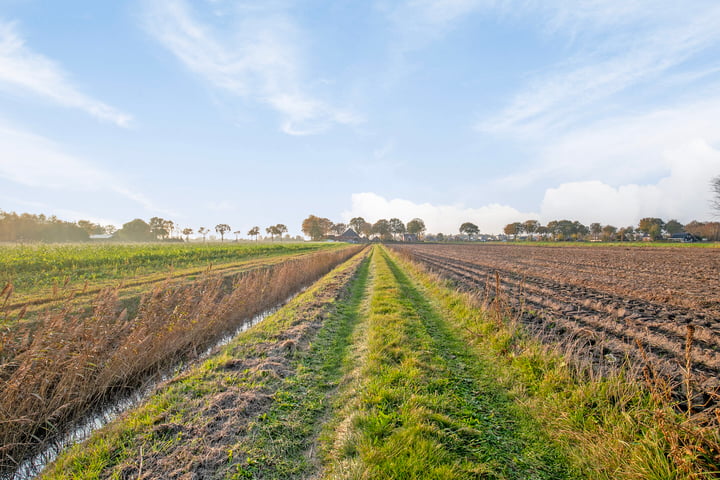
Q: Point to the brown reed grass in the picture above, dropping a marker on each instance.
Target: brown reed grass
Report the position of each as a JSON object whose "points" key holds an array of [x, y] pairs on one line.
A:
{"points": [[74, 363]]}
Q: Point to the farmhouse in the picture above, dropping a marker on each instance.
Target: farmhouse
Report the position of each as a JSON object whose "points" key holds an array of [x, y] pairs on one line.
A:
{"points": [[683, 237], [410, 237], [350, 236]]}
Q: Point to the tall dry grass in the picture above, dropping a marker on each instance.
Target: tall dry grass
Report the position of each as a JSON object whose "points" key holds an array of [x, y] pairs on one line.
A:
{"points": [[76, 361]]}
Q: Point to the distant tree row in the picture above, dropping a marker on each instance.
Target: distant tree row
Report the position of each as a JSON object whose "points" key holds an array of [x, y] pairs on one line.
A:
{"points": [[28, 227], [649, 227], [318, 228], [159, 229]]}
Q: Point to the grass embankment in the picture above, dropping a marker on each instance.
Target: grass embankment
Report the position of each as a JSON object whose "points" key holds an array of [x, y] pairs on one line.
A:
{"points": [[73, 363], [609, 427], [251, 411], [44, 274]]}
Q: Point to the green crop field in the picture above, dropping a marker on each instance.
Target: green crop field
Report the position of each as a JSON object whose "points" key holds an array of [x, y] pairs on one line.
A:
{"points": [[32, 268]]}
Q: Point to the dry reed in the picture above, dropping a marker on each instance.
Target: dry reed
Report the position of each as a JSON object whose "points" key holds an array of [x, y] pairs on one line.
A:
{"points": [[74, 363]]}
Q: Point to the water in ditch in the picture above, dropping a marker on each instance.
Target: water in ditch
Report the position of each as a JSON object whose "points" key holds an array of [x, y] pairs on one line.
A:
{"points": [[82, 430]]}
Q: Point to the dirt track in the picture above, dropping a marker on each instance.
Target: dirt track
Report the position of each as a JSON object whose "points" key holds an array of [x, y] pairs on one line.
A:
{"points": [[609, 298]]}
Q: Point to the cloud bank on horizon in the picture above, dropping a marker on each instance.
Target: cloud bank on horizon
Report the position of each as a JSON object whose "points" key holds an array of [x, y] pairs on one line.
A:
{"points": [[673, 197], [449, 110]]}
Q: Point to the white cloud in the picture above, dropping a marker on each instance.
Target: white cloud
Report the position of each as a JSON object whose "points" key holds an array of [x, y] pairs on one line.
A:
{"points": [[626, 150], [259, 60], [24, 70], [438, 218], [32, 160], [684, 194]]}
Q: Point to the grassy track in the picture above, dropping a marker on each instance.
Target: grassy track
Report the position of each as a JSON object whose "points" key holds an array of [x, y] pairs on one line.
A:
{"points": [[421, 405], [413, 403]]}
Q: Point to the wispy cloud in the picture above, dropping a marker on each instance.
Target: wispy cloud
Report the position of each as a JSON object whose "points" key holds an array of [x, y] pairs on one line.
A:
{"points": [[561, 97], [607, 65], [622, 149], [258, 60], [21, 69], [35, 161]]}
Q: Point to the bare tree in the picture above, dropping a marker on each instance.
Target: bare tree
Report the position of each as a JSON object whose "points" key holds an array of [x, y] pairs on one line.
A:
{"points": [[203, 231], [715, 183]]}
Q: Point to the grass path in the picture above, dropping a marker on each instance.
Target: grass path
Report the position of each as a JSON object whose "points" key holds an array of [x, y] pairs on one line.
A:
{"points": [[422, 405]]}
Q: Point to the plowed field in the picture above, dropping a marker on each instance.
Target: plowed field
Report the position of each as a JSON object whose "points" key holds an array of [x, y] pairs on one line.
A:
{"points": [[609, 299]]}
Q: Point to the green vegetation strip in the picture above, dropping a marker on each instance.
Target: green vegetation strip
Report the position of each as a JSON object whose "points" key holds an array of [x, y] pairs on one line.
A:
{"points": [[31, 268], [422, 405], [251, 410]]}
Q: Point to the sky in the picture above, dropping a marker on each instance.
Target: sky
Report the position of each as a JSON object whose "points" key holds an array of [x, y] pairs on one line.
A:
{"points": [[263, 112]]}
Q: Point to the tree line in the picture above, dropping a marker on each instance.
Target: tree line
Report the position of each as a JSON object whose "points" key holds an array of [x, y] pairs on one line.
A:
{"points": [[649, 227], [319, 228], [26, 227]]}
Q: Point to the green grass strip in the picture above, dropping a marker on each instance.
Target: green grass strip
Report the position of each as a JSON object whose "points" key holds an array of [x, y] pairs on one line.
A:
{"points": [[424, 406]]}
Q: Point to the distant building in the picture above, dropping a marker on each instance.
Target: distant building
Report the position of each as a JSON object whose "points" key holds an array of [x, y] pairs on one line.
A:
{"points": [[104, 236], [410, 237], [349, 236], [683, 237]]}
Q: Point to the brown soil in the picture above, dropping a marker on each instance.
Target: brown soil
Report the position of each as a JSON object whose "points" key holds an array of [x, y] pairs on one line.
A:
{"points": [[617, 303]]}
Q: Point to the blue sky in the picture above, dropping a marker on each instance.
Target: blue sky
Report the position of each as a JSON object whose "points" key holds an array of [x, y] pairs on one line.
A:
{"points": [[256, 113]]}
